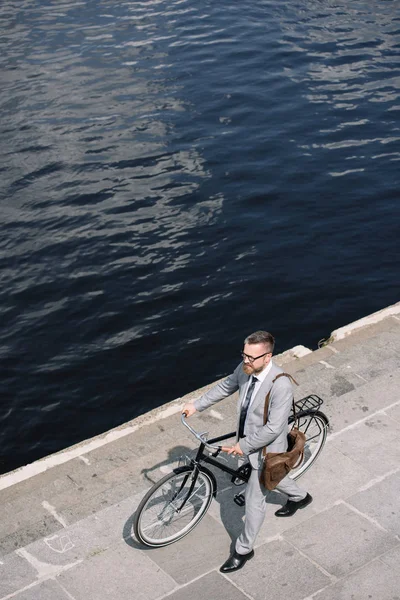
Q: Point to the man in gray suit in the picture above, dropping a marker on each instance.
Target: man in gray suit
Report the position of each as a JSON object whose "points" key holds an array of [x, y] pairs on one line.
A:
{"points": [[254, 379]]}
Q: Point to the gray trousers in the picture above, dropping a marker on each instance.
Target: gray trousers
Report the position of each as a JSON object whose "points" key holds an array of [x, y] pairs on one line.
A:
{"points": [[256, 505]]}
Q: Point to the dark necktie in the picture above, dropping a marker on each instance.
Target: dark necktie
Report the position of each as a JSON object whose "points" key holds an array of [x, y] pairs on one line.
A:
{"points": [[245, 406]]}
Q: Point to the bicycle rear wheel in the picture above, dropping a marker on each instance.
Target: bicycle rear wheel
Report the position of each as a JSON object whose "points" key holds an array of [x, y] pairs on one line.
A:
{"points": [[174, 506], [315, 427]]}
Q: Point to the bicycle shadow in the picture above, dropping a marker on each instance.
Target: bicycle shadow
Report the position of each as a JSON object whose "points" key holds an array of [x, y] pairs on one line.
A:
{"points": [[177, 456]]}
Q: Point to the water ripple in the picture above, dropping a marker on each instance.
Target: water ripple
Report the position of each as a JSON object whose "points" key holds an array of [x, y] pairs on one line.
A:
{"points": [[174, 175]]}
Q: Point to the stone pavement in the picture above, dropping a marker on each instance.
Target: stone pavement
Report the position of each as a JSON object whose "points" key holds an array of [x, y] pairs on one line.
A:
{"points": [[65, 534]]}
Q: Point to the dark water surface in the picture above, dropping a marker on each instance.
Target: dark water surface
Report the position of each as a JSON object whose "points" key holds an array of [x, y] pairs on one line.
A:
{"points": [[174, 175]]}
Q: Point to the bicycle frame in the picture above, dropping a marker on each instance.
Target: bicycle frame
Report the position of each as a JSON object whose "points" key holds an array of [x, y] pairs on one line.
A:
{"points": [[175, 504], [305, 407], [202, 457]]}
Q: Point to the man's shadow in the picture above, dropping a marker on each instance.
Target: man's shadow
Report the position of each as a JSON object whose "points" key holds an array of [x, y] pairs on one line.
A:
{"points": [[230, 513]]}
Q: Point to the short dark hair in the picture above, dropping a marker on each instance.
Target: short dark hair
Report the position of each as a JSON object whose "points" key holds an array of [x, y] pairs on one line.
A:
{"points": [[261, 337]]}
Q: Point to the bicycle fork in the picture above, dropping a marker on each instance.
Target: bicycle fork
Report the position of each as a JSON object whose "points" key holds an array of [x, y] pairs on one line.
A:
{"points": [[193, 475]]}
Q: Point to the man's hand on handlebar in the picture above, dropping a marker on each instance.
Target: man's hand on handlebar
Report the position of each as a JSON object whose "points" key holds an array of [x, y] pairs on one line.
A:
{"points": [[235, 450], [188, 409]]}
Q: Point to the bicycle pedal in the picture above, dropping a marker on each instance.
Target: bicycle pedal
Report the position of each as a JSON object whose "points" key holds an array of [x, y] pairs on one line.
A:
{"points": [[239, 499], [245, 471]]}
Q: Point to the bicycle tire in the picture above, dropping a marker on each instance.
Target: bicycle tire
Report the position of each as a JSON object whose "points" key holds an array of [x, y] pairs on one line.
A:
{"points": [[157, 522], [315, 425]]}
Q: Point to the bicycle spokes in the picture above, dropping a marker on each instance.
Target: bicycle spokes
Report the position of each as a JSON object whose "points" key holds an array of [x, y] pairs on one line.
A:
{"points": [[174, 507]]}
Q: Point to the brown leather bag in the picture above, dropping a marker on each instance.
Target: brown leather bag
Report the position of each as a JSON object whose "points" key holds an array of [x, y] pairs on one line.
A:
{"points": [[277, 465]]}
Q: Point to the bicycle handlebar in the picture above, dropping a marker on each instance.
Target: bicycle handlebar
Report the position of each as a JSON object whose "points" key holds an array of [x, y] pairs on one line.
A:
{"points": [[198, 436]]}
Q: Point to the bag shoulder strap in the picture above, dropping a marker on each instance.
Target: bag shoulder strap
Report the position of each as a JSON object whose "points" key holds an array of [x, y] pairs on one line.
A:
{"points": [[266, 405], [285, 375]]}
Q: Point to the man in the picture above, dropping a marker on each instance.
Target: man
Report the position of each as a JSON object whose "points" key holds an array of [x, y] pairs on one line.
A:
{"points": [[254, 379]]}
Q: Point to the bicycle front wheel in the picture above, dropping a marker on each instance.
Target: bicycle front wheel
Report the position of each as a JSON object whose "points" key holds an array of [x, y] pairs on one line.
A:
{"points": [[315, 426], [173, 506]]}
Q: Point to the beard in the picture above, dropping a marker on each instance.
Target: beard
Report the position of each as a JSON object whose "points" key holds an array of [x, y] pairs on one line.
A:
{"points": [[248, 369]]}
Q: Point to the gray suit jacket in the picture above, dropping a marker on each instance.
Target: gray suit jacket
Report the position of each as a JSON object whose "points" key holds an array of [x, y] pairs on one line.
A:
{"points": [[274, 433]]}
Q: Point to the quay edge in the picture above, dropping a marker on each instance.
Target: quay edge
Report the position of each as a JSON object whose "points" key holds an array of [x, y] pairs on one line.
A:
{"points": [[173, 407]]}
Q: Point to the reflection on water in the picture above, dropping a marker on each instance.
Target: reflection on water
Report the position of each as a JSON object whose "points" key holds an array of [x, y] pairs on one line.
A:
{"points": [[173, 176], [350, 50]]}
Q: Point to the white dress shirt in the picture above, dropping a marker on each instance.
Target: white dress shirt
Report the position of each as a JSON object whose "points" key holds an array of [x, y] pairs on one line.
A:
{"points": [[260, 378]]}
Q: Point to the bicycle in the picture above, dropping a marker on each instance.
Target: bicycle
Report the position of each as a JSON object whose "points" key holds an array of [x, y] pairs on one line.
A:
{"points": [[178, 502]]}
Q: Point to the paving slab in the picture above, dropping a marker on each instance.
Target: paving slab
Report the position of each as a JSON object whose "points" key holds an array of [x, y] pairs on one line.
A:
{"points": [[375, 581], [278, 570], [47, 590], [204, 549], [89, 483], [291, 365], [394, 413], [372, 444], [87, 537], [15, 574], [27, 534], [330, 382], [362, 402], [111, 496], [120, 572], [19, 520], [359, 335], [213, 425], [333, 476], [210, 587], [372, 356], [381, 503], [340, 540], [392, 559], [388, 362], [39, 482], [20, 504]]}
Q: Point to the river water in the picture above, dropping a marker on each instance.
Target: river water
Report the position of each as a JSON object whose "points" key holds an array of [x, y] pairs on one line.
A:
{"points": [[174, 175]]}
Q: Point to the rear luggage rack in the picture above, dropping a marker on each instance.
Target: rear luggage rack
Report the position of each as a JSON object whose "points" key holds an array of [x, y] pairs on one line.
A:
{"points": [[312, 402]]}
